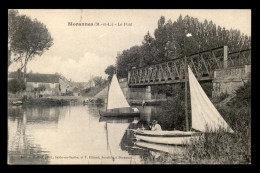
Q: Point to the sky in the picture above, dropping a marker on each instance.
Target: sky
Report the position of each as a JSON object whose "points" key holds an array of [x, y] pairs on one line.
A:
{"points": [[79, 52]]}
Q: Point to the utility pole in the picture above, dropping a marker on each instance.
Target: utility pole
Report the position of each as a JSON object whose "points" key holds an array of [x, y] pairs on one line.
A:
{"points": [[186, 81]]}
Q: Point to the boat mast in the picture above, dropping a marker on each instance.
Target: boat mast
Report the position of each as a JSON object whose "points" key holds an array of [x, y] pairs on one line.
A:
{"points": [[186, 80], [186, 94], [116, 69], [107, 95]]}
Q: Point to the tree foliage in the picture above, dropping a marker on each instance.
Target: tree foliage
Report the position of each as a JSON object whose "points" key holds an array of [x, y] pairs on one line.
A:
{"points": [[170, 42], [110, 70], [99, 82], [27, 38], [16, 85], [129, 58]]}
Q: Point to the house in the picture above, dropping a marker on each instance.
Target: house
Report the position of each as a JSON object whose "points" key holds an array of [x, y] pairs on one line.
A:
{"points": [[65, 85], [50, 82]]}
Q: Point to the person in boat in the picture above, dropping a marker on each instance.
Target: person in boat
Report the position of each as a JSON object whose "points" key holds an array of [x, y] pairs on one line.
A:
{"points": [[144, 103], [156, 126], [135, 109], [150, 125]]}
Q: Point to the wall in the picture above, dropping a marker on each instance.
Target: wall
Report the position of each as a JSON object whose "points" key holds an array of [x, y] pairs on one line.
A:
{"points": [[139, 94], [51, 88], [132, 93], [64, 85], [229, 79]]}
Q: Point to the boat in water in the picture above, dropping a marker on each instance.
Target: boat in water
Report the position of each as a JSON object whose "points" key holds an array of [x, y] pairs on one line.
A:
{"points": [[17, 103], [117, 119], [172, 149], [205, 117], [117, 105]]}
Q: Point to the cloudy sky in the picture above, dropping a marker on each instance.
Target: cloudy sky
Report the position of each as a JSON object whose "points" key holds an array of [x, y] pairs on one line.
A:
{"points": [[81, 51]]}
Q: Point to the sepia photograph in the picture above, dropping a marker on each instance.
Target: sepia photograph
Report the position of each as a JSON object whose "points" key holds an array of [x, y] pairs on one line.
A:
{"points": [[129, 87]]}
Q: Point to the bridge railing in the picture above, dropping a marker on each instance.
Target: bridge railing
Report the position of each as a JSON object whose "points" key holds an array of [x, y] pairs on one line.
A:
{"points": [[202, 64], [239, 58]]}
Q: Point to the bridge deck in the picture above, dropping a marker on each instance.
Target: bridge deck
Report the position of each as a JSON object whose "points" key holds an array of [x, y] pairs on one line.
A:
{"points": [[202, 64]]}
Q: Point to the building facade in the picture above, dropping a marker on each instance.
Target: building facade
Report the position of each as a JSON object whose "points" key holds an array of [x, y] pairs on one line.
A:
{"points": [[49, 84]]}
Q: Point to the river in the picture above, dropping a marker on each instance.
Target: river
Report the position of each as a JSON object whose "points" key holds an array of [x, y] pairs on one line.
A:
{"points": [[73, 135]]}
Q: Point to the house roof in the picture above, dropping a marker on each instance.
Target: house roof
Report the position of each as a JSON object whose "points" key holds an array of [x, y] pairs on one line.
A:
{"points": [[44, 78], [13, 74]]}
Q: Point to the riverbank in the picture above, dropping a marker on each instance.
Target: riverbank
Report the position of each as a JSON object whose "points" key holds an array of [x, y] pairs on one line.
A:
{"points": [[54, 100], [219, 147], [151, 102], [10, 100]]}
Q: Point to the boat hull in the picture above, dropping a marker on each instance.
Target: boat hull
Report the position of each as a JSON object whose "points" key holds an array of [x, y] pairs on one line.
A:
{"points": [[18, 103], [117, 114], [166, 137], [159, 147], [165, 140]]}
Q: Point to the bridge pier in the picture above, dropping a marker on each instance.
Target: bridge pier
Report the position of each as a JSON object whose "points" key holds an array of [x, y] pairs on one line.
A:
{"points": [[148, 94], [227, 80]]}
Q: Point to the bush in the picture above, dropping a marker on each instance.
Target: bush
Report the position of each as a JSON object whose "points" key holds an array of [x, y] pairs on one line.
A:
{"points": [[25, 97], [99, 101], [68, 93], [220, 98], [172, 114], [16, 85]]}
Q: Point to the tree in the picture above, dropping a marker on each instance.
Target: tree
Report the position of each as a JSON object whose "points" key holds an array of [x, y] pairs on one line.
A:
{"points": [[98, 81], [12, 28], [16, 85], [27, 38], [170, 42], [110, 70], [148, 50], [128, 59]]}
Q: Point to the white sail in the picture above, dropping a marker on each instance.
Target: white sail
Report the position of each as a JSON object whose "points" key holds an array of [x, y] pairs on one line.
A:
{"points": [[116, 98], [204, 114]]}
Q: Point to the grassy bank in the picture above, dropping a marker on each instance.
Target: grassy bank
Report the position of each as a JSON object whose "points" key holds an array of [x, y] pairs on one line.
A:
{"points": [[57, 101], [212, 148], [91, 92]]}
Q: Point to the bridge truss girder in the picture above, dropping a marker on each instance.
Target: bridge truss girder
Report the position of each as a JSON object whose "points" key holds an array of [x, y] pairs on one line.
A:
{"points": [[202, 64]]}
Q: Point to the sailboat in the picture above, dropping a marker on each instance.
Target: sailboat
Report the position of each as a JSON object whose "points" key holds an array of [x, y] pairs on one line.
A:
{"points": [[117, 105], [204, 117]]}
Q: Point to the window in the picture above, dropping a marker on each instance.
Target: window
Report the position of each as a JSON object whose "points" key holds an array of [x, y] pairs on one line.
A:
{"points": [[35, 84], [52, 85]]}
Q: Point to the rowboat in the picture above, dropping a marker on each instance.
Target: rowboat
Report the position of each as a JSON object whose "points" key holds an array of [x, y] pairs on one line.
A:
{"points": [[17, 103], [175, 137], [117, 105], [159, 147], [205, 117]]}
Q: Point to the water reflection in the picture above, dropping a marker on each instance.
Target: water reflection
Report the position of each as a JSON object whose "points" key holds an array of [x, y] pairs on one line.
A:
{"points": [[73, 135], [21, 147]]}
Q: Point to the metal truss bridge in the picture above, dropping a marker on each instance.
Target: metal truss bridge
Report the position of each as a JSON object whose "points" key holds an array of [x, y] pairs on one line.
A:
{"points": [[202, 64]]}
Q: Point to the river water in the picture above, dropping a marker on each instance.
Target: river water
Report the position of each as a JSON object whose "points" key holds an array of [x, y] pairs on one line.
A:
{"points": [[73, 135]]}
